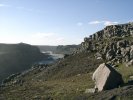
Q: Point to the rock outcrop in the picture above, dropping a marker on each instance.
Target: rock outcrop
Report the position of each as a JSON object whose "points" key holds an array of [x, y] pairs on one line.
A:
{"points": [[106, 77], [66, 49], [114, 43]]}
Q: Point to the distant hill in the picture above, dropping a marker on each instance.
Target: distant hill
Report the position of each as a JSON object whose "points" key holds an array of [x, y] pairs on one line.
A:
{"points": [[46, 48], [15, 58]]}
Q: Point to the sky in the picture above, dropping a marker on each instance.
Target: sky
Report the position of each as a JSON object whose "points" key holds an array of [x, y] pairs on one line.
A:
{"points": [[59, 22]]}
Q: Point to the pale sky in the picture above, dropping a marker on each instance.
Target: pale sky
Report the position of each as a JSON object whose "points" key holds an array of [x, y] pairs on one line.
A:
{"points": [[59, 22]]}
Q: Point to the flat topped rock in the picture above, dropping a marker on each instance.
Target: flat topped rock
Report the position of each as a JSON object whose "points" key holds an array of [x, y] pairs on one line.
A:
{"points": [[106, 77]]}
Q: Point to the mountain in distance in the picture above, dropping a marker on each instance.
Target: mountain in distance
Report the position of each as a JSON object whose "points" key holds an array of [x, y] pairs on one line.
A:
{"points": [[70, 77], [44, 48]]}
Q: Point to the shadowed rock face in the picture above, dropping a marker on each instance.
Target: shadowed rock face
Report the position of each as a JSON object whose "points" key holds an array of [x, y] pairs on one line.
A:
{"points": [[15, 58], [106, 77]]}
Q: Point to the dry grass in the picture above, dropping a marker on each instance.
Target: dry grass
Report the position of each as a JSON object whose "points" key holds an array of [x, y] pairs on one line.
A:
{"points": [[57, 89]]}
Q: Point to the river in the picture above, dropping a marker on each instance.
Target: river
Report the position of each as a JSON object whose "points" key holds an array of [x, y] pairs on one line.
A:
{"points": [[52, 57]]}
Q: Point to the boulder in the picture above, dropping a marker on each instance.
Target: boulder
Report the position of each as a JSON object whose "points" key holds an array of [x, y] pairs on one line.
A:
{"points": [[106, 77], [130, 63], [131, 52], [98, 55], [92, 90], [110, 54]]}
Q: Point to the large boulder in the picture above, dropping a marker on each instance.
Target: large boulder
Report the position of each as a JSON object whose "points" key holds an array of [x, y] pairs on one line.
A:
{"points": [[106, 77]]}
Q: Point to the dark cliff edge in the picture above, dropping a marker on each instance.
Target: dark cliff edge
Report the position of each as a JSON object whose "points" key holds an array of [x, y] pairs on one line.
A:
{"points": [[15, 58]]}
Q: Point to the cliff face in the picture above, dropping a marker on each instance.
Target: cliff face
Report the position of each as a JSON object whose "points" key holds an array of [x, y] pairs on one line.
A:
{"points": [[114, 30], [15, 58], [113, 43]]}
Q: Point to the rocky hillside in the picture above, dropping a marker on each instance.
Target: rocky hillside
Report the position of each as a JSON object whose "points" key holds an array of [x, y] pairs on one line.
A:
{"points": [[15, 58], [71, 77], [113, 43]]}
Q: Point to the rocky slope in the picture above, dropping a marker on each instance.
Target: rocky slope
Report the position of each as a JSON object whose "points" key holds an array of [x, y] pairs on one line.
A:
{"points": [[113, 43], [69, 78]]}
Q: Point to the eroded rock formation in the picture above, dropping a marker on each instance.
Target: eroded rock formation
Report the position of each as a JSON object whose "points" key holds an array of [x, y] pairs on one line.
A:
{"points": [[114, 43]]}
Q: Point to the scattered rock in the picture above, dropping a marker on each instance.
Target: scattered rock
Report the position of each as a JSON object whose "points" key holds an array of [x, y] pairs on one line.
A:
{"points": [[106, 77], [92, 90], [11, 77], [131, 52], [130, 63], [110, 54], [98, 55], [78, 74], [37, 97], [131, 77]]}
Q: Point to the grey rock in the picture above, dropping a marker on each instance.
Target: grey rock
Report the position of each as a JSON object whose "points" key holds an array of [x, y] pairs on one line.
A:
{"points": [[131, 52], [106, 77], [130, 63], [110, 54], [92, 90]]}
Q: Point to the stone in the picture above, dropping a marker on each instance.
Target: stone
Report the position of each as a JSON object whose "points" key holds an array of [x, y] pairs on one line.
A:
{"points": [[86, 39], [92, 90], [120, 44], [11, 77], [106, 48], [110, 54], [131, 77], [131, 52], [99, 58], [122, 51], [98, 55], [130, 63], [106, 77]]}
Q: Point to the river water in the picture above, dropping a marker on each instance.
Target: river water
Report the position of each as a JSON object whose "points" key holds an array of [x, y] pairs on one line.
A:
{"points": [[52, 58]]}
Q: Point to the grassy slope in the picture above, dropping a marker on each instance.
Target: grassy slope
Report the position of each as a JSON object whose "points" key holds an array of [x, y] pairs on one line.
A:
{"points": [[67, 78], [70, 87], [57, 89]]}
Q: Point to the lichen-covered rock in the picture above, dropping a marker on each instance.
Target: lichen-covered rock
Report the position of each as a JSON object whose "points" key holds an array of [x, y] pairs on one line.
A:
{"points": [[114, 42], [106, 77], [110, 54], [130, 63], [131, 52]]}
